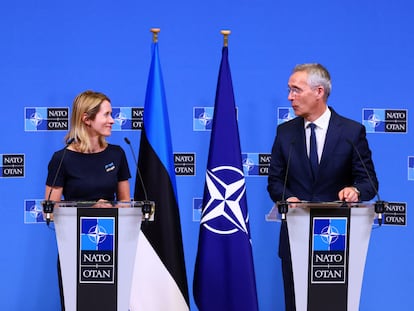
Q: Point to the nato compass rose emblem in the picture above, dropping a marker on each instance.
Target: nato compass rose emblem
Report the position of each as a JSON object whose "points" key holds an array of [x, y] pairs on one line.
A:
{"points": [[288, 116], [205, 119], [97, 234], [374, 120], [36, 211], [285, 114], [329, 234], [225, 211], [248, 164], [36, 119], [120, 118]]}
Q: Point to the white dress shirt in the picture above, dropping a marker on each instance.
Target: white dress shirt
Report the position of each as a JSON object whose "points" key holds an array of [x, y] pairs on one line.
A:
{"points": [[321, 128]]}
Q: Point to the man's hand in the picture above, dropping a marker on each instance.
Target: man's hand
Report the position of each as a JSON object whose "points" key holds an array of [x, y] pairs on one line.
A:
{"points": [[291, 201], [349, 194]]}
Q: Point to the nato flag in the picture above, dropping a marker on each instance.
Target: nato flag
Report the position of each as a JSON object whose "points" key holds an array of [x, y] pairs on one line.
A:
{"points": [[224, 278]]}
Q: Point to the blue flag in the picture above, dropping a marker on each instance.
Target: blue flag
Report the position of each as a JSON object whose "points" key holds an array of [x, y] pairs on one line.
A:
{"points": [[160, 280], [224, 278]]}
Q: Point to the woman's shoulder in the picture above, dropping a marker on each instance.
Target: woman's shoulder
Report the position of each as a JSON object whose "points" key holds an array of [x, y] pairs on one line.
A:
{"points": [[112, 148], [58, 153]]}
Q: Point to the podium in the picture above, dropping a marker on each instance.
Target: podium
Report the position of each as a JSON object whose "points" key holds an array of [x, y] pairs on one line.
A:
{"points": [[328, 244], [97, 249]]}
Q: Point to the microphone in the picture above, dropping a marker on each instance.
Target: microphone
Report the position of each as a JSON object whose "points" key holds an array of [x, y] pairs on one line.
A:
{"points": [[379, 204], [48, 205], [148, 206], [283, 205]]}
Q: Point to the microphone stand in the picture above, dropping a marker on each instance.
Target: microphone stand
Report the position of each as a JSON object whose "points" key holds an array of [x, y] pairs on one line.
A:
{"points": [[379, 210], [148, 207], [48, 205], [48, 210], [282, 207], [379, 204]]}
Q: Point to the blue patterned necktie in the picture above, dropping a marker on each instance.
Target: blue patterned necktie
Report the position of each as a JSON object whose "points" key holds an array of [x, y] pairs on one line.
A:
{"points": [[313, 151]]}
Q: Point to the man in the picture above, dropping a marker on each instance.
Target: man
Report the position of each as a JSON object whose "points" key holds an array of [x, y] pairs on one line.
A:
{"points": [[338, 172]]}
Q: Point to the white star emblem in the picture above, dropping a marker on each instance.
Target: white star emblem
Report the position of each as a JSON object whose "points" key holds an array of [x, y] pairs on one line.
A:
{"points": [[374, 120], [204, 118], [120, 118], [35, 210], [224, 202], [97, 234], [288, 116], [36, 118], [329, 234], [248, 164]]}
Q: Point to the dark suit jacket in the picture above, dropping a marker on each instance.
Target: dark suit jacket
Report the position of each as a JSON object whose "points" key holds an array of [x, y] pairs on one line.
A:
{"points": [[340, 165]]}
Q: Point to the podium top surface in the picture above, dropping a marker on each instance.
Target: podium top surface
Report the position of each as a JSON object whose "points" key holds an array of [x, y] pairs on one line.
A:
{"points": [[333, 204], [113, 204], [274, 215], [146, 209]]}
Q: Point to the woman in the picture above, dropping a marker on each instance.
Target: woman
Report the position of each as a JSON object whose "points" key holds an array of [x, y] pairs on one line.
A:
{"points": [[88, 169], [92, 169]]}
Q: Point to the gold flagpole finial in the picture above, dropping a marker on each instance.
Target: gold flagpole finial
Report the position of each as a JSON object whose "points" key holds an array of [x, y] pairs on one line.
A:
{"points": [[226, 33], [155, 32]]}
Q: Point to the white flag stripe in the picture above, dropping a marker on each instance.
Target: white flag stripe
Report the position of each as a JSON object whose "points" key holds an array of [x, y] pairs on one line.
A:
{"points": [[153, 288]]}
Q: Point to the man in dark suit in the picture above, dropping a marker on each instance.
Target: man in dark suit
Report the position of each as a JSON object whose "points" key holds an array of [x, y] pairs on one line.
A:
{"points": [[322, 148]]}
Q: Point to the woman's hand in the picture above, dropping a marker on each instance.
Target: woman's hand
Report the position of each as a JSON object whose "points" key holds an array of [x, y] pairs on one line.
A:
{"points": [[101, 203]]}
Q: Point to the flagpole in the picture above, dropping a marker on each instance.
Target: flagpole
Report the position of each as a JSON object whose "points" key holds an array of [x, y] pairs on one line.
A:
{"points": [[225, 34], [155, 32]]}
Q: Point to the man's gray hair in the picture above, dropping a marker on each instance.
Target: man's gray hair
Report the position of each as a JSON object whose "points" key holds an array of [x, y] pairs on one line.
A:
{"points": [[318, 75]]}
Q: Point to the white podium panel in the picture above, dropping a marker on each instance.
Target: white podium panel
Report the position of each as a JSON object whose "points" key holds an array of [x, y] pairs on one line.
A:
{"points": [[299, 224], [66, 219]]}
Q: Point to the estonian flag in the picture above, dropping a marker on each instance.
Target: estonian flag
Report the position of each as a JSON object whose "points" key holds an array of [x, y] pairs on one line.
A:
{"points": [[160, 280], [224, 278]]}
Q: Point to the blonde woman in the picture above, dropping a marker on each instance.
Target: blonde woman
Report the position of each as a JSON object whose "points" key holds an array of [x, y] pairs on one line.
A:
{"points": [[88, 168], [92, 169]]}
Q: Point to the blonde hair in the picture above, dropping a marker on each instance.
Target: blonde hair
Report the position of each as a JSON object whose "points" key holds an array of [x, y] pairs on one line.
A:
{"points": [[89, 103]]}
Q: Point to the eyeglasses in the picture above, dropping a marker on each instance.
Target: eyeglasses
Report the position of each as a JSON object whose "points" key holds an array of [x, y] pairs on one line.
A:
{"points": [[294, 90]]}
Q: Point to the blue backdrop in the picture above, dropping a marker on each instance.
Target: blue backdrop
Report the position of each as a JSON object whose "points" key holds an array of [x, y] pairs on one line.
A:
{"points": [[53, 50]]}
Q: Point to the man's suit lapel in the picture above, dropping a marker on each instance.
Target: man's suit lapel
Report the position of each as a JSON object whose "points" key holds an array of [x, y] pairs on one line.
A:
{"points": [[300, 146], [332, 139]]}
